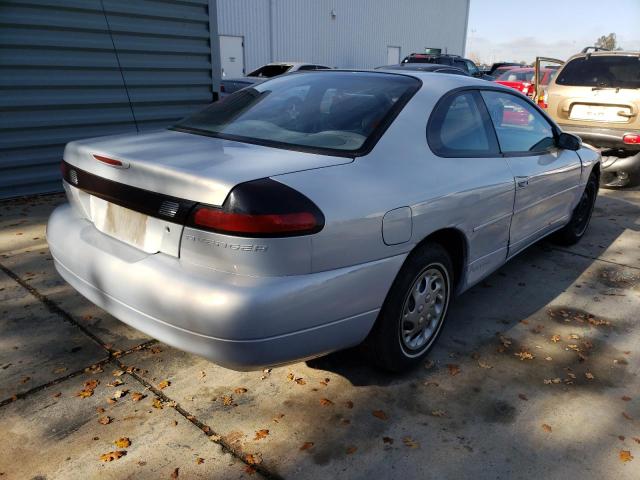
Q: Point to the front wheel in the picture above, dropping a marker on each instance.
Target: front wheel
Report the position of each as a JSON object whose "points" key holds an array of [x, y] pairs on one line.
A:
{"points": [[414, 311], [577, 226]]}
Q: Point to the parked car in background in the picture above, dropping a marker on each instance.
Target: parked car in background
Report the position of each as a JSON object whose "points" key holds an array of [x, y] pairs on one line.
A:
{"points": [[254, 237], [446, 59], [521, 79], [501, 67], [425, 67], [270, 70], [596, 95]]}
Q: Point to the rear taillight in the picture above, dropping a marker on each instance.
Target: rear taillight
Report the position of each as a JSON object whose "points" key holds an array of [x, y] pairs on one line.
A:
{"points": [[542, 101], [262, 208], [631, 139]]}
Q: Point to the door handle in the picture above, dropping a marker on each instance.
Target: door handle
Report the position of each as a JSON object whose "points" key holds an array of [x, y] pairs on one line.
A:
{"points": [[522, 181]]}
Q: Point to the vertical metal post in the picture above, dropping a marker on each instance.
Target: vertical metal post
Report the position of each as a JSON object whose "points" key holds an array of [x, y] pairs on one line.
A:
{"points": [[214, 42]]}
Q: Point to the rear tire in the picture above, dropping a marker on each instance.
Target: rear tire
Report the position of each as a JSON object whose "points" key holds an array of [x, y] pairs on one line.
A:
{"points": [[573, 231], [414, 311]]}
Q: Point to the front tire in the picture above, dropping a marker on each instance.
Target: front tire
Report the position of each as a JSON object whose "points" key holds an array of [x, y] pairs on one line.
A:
{"points": [[414, 311], [571, 233]]}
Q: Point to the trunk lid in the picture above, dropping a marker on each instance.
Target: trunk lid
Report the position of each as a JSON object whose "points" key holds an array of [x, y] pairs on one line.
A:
{"points": [[188, 166]]}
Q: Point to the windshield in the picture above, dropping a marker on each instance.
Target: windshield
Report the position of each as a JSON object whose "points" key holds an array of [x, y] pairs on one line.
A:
{"points": [[269, 71], [517, 76], [613, 71], [329, 110]]}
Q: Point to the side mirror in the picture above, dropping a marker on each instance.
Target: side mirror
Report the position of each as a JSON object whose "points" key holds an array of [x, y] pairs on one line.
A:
{"points": [[566, 141]]}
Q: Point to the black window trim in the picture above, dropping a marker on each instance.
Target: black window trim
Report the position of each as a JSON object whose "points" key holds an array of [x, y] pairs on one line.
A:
{"points": [[484, 111], [366, 147]]}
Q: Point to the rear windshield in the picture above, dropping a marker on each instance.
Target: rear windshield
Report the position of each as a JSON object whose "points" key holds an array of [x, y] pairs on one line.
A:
{"points": [[614, 71], [269, 71], [335, 111], [517, 76]]}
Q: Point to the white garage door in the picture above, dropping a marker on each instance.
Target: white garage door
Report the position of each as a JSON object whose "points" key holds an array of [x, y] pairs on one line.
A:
{"points": [[393, 55], [232, 56]]}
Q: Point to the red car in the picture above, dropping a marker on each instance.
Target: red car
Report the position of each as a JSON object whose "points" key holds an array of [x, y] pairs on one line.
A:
{"points": [[521, 79]]}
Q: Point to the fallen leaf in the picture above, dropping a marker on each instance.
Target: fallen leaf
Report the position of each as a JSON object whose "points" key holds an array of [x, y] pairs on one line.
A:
{"points": [[110, 456], [482, 364], [164, 384], [115, 383], [546, 428], [325, 402], [379, 414], [325, 382], [120, 393], [388, 440], [175, 473], [300, 381], [291, 377], [260, 434], [625, 398], [253, 458], [351, 450], [589, 375], [104, 420], [438, 413], [57, 395], [636, 439], [548, 359], [306, 446], [240, 390], [625, 455], [522, 396], [410, 442], [227, 401], [84, 393], [349, 404], [555, 338], [157, 403], [24, 380], [278, 417], [250, 469], [453, 369], [118, 373], [123, 442], [199, 461], [137, 396], [524, 355]]}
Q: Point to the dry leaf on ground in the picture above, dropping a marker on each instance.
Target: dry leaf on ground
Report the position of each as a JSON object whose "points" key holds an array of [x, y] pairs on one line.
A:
{"points": [[110, 456], [123, 442], [410, 442], [104, 420], [240, 390], [524, 355], [438, 413], [351, 449], [199, 461], [325, 402], [306, 446], [379, 414], [164, 384], [137, 396], [555, 338], [260, 434], [253, 458], [453, 369], [546, 428], [625, 455], [589, 375]]}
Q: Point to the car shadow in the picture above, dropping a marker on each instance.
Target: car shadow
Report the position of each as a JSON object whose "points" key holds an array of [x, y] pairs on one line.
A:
{"points": [[520, 289]]}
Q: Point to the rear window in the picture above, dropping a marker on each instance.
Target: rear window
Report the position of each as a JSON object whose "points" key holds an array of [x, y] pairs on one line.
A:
{"points": [[332, 111], [517, 76], [269, 71], [613, 71]]}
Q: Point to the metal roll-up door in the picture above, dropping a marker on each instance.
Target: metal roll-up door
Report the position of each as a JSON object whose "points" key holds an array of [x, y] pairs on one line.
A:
{"points": [[73, 69]]}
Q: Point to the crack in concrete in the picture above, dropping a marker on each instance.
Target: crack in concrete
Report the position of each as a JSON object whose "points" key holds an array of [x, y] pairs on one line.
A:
{"points": [[594, 258], [206, 429], [114, 356]]}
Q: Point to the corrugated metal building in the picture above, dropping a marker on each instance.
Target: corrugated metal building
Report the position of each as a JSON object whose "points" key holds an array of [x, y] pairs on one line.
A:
{"points": [[341, 33], [73, 69]]}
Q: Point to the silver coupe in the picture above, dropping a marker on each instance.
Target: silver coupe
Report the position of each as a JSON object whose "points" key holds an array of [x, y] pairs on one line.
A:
{"points": [[317, 211]]}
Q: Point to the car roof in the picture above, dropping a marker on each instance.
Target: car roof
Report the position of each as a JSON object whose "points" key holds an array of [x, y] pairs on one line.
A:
{"points": [[605, 53], [425, 67]]}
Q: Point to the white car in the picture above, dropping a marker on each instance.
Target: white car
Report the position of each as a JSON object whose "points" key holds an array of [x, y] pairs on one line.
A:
{"points": [[270, 70]]}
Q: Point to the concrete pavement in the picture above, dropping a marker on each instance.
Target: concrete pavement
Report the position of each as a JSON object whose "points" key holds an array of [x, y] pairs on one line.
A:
{"points": [[535, 376]]}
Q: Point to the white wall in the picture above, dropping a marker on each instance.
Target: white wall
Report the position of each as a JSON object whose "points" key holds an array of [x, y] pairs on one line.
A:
{"points": [[358, 37]]}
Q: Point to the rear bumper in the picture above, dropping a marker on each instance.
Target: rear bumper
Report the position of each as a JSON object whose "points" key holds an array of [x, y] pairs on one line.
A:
{"points": [[240, 322], [603, 138]]}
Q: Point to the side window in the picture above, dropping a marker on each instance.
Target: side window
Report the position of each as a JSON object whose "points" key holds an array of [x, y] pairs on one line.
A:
{"points": [[471, 67], [519, 126], [461, 64], [458, 128]]}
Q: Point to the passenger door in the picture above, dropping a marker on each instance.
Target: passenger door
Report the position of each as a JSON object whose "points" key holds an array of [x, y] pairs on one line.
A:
{"points": [[546, 178]]}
